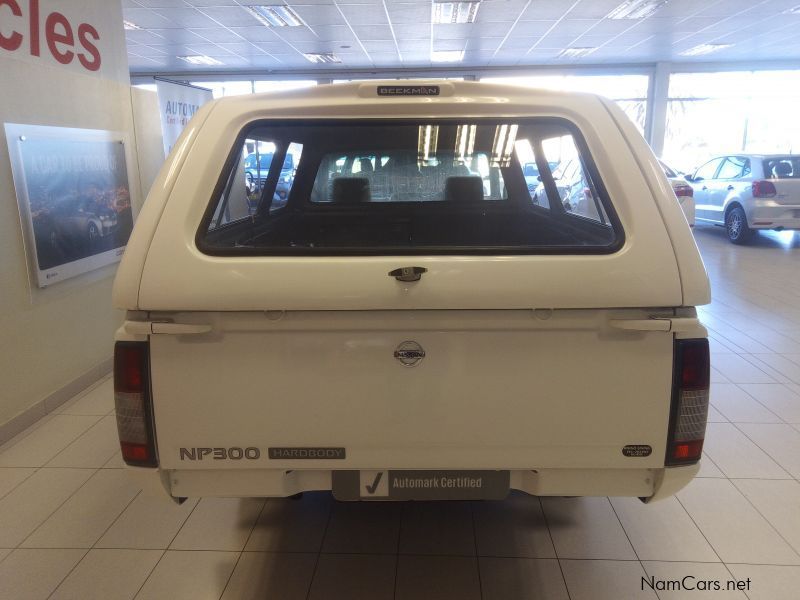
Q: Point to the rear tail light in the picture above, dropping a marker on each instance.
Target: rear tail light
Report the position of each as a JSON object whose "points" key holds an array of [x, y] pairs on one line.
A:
{"points": [[689, 402], [764, 189], [684, 191], [133, 404]]}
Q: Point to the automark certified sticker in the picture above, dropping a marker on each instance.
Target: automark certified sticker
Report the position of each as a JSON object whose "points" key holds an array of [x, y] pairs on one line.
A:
{"points": [[420, 485]]}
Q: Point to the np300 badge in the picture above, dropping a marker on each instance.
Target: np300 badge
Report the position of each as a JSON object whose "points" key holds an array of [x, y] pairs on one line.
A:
{"points": [[409, 353]]}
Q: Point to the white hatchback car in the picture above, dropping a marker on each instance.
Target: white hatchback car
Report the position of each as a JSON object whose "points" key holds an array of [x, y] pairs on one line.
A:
{"points": [[410, 324], [747, 192]]}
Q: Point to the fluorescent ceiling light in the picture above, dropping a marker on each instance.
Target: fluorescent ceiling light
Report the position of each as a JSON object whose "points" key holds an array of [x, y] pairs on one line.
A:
{"points": [[447, 55], [427, 142], [199, 59], [575, 52], [636, 9], [445, 13], [322, 57], [504, 138], [130, 26], [704, 49], [465, 142], [276, 16]]}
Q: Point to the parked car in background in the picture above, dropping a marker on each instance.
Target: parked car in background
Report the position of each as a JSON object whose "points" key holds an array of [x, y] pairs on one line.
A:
{"points": [[683, 191], [256, 170], [531, 173], [748, 192]]}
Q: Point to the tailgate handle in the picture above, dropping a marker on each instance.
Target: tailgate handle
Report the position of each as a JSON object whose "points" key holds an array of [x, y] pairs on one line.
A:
{"points": [[408, 273], [165, 327], [656, 324]]}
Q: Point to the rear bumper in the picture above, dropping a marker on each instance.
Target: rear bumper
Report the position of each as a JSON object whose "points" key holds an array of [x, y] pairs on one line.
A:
{"points": [[648, 484], [768, 214]]}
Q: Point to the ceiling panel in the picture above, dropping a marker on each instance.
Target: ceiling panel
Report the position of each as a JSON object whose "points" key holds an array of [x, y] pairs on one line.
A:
{"points": [[573, 27], [500, 11], [216, 34], [255, 33], [147, 51], [378, 47], [176, 36], [241, 48], [163, 3], [364, 13], [144, 37], [593, 9], [373, 32], [185, 17], [147, 19], [231, 16], [419, 14], [527, 29], [326, 14], [369, 33]]}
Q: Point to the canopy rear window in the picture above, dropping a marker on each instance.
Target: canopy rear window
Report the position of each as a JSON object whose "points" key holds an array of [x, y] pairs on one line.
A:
{"points": [[482, 186]]}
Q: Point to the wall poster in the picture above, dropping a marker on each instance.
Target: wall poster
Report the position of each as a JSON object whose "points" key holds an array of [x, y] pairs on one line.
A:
{"points": [[74, 198]]}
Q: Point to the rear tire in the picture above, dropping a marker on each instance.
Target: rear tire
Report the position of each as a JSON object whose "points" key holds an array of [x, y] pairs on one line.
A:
{"points": [[736, 226]]}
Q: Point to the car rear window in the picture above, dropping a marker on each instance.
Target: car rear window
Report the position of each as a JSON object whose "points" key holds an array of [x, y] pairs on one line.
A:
{"points": [[411, 187], [782, 167]]}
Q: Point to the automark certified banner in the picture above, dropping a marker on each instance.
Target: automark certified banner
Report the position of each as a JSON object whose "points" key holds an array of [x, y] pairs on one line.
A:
{"points": [[177, 104]]}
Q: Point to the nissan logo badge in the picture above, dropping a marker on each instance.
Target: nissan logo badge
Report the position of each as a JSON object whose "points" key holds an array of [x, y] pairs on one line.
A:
{"points": [[409, 353]]}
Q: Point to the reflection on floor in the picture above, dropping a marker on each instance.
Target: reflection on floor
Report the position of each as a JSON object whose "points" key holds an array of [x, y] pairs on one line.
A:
{"points": [[73, 525]]}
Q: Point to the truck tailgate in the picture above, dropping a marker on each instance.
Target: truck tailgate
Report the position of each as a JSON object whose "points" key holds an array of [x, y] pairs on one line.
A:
{"points": [[495, 389]]}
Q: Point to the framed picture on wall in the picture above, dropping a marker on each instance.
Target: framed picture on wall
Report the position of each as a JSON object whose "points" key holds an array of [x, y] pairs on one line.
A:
{"points": [[74, 198]]}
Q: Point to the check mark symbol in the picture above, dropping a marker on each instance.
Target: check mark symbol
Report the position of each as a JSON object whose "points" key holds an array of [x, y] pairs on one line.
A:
{"points": [[371, 488]]}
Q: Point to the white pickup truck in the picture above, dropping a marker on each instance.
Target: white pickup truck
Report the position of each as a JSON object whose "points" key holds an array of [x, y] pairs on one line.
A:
{"points": [[411, 323]]}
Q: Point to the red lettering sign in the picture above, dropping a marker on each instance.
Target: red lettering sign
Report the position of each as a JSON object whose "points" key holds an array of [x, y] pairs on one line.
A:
{"points": [[14, 41], [59, 33], [84, 32]]}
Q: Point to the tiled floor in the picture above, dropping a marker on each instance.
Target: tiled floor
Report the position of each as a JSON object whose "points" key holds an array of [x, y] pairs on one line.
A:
{"points": [[72, 525]]}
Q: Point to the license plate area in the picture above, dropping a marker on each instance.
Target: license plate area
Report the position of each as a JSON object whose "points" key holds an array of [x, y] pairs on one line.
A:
{"points": [[420, 485]]}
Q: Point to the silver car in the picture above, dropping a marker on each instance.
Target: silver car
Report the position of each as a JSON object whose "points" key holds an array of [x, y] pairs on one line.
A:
{"points": [[747, 192]]}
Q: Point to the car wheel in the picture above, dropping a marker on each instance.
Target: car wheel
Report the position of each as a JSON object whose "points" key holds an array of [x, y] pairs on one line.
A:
{"points": [[736, 226], [248, 183]]}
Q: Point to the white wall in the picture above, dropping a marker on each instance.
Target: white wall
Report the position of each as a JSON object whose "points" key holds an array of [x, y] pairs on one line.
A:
{"points": [[53, 337], [149, 138]]}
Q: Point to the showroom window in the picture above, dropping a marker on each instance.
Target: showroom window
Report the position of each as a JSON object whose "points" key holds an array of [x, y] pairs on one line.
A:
{"points": [[239, 88], [283, 86], [628, 91], [226, 88], [728, 112], [364, 80]]}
